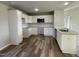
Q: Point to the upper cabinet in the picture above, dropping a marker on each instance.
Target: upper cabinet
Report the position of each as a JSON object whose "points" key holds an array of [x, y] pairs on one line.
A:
{"points": [[30, 19], [33, 19], [25, 18], [47, 18]]}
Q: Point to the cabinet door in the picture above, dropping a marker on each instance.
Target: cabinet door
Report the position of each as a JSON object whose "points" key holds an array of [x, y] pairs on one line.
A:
{"points": [[40, 30], [69, 44], [26, 19], [34, 19], [32, 31], [30, 19], [48, 18], [25, 33], [49, 32]]}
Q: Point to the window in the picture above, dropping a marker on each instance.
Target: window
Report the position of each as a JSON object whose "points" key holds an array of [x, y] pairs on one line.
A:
{"points": [[67, 22]]}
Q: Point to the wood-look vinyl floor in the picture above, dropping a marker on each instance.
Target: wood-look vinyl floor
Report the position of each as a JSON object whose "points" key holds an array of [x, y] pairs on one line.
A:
{"points": [[35, 46]]}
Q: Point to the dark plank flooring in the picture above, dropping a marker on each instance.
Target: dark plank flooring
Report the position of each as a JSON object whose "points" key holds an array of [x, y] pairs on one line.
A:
{"points": [[35, 46]]}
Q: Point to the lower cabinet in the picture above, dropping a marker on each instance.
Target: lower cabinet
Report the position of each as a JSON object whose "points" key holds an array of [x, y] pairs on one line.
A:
{"points": [[67, 43], [32, 31], [49, 32], [25, 33], [29, 31], [36, 31], [77, 47]]}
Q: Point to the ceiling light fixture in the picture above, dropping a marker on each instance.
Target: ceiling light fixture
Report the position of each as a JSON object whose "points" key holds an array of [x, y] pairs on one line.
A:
{"points": [[66, 3], [36, 9]]}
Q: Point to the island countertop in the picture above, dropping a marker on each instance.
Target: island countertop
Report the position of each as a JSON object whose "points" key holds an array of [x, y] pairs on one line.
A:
{"points": [[70, 32]]}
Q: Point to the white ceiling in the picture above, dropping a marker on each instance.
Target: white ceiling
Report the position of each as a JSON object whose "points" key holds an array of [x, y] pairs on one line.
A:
{"points": [[43, 6]]}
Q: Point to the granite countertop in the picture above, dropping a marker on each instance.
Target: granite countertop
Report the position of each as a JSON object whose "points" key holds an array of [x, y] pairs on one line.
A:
{"points": [[70, 32]]}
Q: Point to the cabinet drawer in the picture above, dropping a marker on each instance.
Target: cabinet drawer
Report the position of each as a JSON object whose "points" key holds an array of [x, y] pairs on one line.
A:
{"points": [[69, 37]]}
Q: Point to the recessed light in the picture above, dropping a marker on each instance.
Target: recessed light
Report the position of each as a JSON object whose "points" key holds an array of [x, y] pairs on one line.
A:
{"points": [[66, 3], [36, 9]]}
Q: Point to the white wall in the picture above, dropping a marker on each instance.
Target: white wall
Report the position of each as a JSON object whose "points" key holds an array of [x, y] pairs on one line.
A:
{"points": [[4, 27], [59, 18], [74, 16]]}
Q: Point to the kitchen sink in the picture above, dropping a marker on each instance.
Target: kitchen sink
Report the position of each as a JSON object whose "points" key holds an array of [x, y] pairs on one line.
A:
{"points": [[64, 30]]}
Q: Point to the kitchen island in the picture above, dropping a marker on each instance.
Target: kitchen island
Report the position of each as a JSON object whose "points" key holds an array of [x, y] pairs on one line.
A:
{"points": [[67, 41]]}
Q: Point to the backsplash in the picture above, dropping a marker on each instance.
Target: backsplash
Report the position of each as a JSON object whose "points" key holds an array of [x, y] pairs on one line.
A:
{"points": [[41, 25]]}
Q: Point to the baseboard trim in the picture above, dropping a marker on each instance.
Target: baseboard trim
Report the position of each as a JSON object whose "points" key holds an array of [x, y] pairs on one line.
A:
{"points": [[5, 47]]}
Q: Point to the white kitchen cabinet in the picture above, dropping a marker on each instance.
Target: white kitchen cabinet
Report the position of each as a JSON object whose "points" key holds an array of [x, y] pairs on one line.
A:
{"points": [[25, 33], [77, 46], [32, 31], [49, 32], [25, 18], [34, 19], [47, 18], [40, 30], [15, 26], [30, 20], [67, 42]]}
